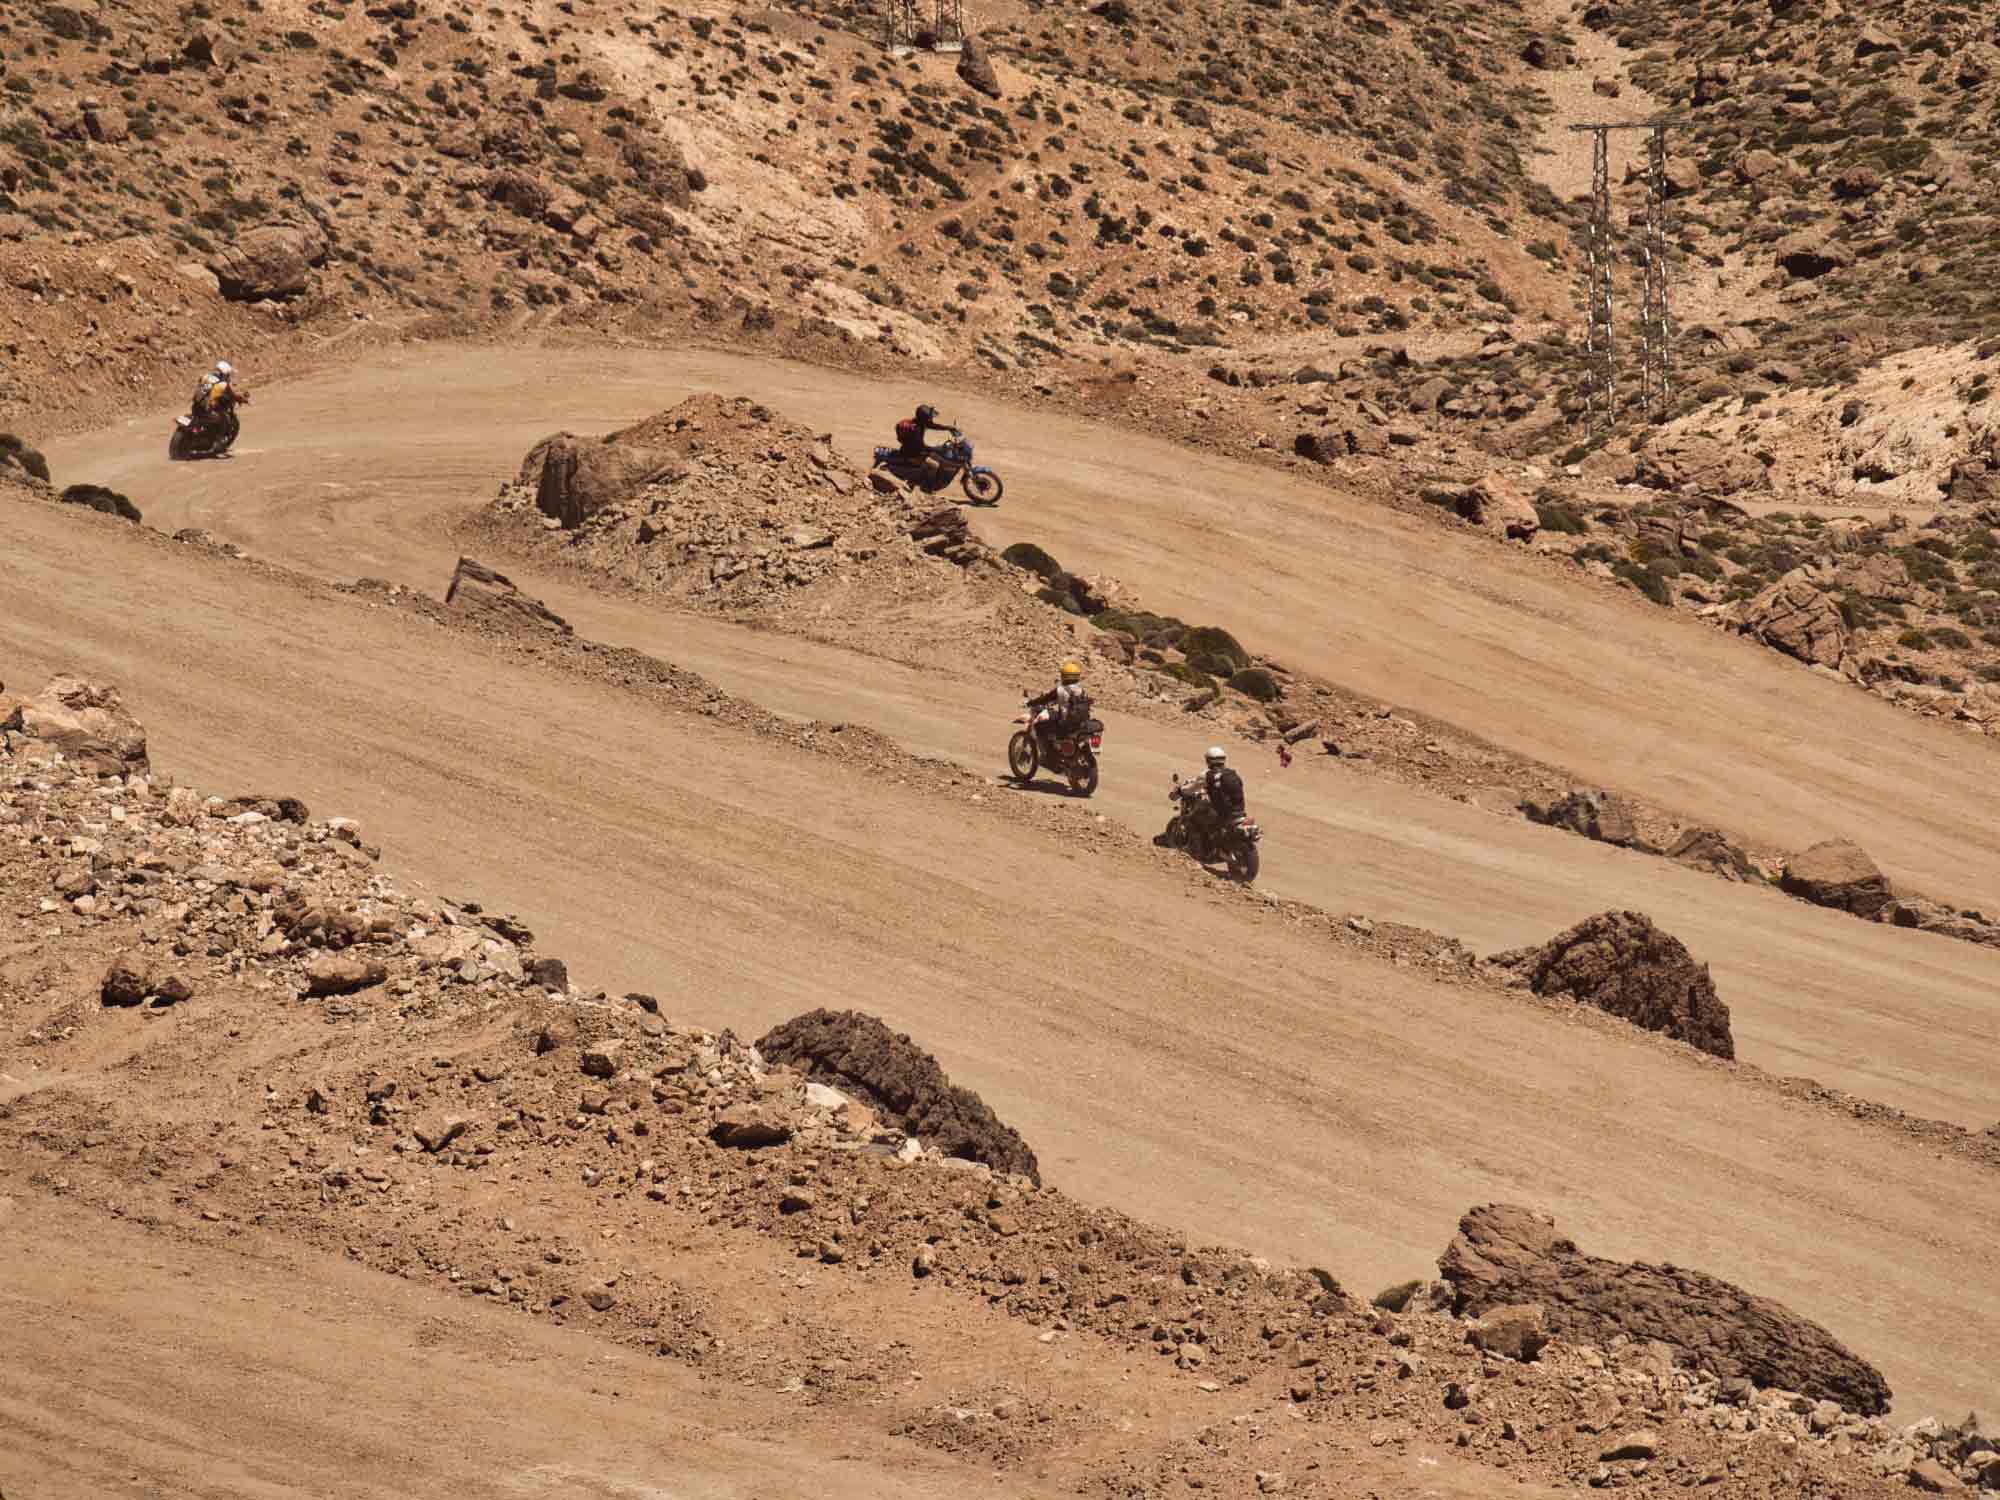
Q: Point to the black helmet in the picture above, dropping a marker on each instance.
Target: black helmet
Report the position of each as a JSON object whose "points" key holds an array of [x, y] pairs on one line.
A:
{"points": [[927, 413]]}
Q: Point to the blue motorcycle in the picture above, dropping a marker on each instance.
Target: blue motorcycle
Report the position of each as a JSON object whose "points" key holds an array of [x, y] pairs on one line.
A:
{"points": [[981, 485]]}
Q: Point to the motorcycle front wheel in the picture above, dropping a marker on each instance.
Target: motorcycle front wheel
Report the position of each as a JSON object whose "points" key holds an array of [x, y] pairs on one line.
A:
{"points": [[1083, 775], [177, 444], [1023, 759], [1242, 856], [981, 486]]}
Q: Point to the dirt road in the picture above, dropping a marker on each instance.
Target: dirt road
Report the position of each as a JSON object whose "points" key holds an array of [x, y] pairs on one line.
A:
{"points": [[1172, 1056], [360, 472]]}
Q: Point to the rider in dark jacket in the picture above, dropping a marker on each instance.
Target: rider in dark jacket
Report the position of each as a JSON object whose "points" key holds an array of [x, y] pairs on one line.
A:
{"points": [[1224, 790], [910, 444]]}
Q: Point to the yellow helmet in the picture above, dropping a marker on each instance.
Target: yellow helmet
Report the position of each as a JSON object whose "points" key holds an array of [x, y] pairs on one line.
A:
{"points": [[1071, 672]]}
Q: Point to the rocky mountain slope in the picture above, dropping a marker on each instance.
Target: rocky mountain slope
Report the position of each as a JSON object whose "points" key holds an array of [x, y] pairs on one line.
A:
{"points": [[224, 1018]]}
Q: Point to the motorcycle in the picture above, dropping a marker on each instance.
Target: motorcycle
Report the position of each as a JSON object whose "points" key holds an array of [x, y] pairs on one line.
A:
{"points": [[191, 440], [981, 485], [1236, 844], [1074, 756]]}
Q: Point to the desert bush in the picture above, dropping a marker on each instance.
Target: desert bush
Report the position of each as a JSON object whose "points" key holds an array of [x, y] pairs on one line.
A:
{"points": [[1180, 671], [1213, 640], [1559, 516], [1647, 582], [1028, 556], [96, 497], [1951, 636], [1255, 682], [13, 450], [1914, 640]]}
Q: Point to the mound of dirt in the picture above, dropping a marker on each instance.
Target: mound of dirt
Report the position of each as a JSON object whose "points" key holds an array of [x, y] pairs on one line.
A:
{"points": [[84, 722], [1621, 963], [721, 501], [1505, 1256], [902, 1080]]}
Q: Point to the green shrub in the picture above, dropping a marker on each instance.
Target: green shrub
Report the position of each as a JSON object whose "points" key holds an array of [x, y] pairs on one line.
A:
{"points": [[1061, 598], [1180, 671], [1255, 682], [1213, 640], [1214, 663], [1647, 582], [98, 498], [1397, 1297], [1027, 555], [1560, 517], [1952, 636], [13, 450], [1914, 640]]}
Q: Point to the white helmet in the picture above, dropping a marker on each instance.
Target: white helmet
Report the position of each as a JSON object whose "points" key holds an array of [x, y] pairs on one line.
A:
{"points": [[1216, 756], [224, 368]]}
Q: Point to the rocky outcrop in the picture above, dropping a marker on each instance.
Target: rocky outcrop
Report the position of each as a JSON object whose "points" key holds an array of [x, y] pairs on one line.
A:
{"points": [[1712, 853], [1695, 465], [273, 262], [1796, 616], [1619, 962], [581, 476], [1493, 505], [478, 589], [84, 722], [1812, 253], [899, 1079], [1505, 1256], [1838, 874], [975, 69], [1596, 814]]}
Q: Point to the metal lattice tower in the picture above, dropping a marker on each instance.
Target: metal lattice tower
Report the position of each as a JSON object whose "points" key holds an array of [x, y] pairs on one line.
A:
{"points": [[1655, 323], [1600, 337], [950, 25], [1655, 331], [900, 24]]}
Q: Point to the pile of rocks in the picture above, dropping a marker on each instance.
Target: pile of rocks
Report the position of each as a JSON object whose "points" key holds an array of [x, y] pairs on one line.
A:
{"points": [[216, 886], [721, 501]]}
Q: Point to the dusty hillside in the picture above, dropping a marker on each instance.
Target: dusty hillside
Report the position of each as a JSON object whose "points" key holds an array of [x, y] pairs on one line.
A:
{"points": [[225, 1019]]}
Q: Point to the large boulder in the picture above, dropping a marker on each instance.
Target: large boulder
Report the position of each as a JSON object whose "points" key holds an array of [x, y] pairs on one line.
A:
{"points": [[1505, 1256], [481, 591], [1796, 616], [85, 722], [1879, 575], [858, 1054], [975, 69], [1596, 814], [1497, 506], [1619, 962], [581, 476], [659, 168], [1712, 853], [273, 262], [1695, 465], [1838, 874], [1812, 253]]}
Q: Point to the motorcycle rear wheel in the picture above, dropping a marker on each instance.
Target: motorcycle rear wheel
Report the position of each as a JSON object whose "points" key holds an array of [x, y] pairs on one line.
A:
{"points": [[1242, 857], [1023, 758], [1083, 775], [982, 488]]}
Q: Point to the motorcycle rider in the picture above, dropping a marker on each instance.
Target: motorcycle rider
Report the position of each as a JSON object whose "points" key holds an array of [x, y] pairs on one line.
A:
{"points": [[1222, 797], [1063, 708], [913, 450], [215, 395]]}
